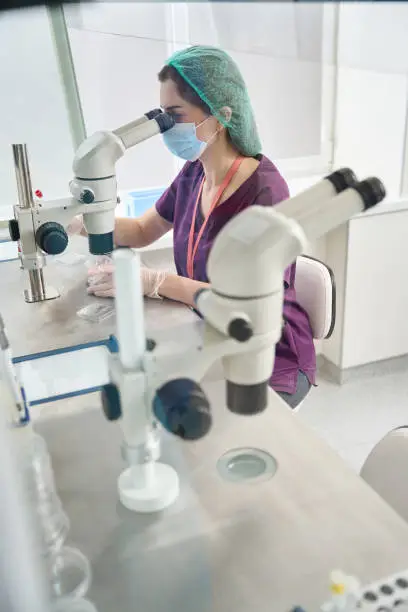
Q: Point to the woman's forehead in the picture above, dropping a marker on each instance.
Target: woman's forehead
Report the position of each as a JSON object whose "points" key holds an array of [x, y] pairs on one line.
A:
{"points": [[170, 97]]}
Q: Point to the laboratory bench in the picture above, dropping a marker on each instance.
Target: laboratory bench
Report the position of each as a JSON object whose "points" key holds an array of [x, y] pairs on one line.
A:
{"points": [[54, 324], [229, 543]]}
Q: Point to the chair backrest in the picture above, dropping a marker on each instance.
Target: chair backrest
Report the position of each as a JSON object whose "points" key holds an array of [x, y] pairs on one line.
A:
{"points": [[316, 293], [385, 470]]}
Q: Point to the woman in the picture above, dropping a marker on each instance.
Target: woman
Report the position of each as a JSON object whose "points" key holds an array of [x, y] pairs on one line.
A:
{"points": [[216, 134]]}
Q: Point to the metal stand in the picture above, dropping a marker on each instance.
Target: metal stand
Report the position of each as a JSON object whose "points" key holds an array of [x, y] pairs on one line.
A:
{"points": [[37, 291]]}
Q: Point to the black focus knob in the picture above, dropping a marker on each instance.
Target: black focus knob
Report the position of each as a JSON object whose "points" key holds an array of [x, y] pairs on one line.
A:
{"points": [[52, 238], [87, 196], [183, 409], [14, 230], [240, 330], [111, 405]]}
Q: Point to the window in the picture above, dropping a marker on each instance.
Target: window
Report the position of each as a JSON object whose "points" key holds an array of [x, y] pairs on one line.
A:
{"points": [[118, 49], [32, 106]]}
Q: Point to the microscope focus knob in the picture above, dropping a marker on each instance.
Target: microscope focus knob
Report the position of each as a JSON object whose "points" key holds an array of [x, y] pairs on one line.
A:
{"points": [[111, 402], [87, 196], [240, 329], [14, 230], [52, 238], [183, 409]]}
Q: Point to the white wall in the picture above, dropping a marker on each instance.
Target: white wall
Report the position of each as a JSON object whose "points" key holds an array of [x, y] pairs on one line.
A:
{"points": [[32, 106], [372, 90], [375, 322], [115, 88], [369, 255]]}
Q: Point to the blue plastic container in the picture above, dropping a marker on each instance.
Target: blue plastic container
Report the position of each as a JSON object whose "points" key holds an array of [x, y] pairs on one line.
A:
{"points": [[142, 200]]}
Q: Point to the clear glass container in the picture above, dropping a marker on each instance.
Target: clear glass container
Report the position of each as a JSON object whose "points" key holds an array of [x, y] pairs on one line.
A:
{"points": [[69, 573], [68, 570]]}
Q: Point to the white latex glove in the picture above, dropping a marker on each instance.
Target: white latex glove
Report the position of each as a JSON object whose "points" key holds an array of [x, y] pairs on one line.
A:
{"points": [[76, 226], [101, 283]]}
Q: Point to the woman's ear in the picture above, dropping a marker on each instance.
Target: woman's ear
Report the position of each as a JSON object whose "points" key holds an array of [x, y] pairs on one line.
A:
{"points": [[226, 112]]}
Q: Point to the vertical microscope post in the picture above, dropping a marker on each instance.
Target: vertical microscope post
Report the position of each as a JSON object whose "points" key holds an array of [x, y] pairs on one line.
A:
{"points": [[37, 291], [146, 485]]}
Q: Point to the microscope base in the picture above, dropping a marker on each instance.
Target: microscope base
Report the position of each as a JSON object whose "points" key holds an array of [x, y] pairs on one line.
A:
{"points": [[49, 294], [157, 490]]}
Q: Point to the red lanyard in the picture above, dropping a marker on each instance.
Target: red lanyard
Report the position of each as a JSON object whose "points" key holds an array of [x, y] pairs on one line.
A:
{"points": [[192, 248]]}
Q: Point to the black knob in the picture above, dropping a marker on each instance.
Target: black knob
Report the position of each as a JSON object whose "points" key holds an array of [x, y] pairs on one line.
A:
{"points": [[52, 238], [87, 196], [183, 409], [150, 345], [14, 230], [240, 330], [111, 402]]}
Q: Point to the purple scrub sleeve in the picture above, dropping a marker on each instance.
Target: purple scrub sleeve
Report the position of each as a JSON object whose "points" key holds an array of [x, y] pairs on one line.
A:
{"points": [[266, 187]]}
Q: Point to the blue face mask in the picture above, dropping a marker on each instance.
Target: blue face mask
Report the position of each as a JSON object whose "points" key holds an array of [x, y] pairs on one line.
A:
{"points": [[182, 141]]}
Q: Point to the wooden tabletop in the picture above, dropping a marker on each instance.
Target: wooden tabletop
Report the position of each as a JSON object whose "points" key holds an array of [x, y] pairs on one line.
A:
{"points": [[54, 324], [223, 546]]}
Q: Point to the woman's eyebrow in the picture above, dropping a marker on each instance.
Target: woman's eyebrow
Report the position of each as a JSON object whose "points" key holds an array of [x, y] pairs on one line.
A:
{"points": [[171, 108]]}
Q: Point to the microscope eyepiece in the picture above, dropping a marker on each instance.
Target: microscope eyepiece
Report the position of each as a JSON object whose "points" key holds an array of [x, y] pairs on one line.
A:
{"points": [[165, 122], [371, 190], [342, 179], [153, 113]]}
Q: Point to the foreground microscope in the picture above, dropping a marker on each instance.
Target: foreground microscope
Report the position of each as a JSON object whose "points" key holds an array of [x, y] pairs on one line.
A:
{"points": [[242, 323], [39, 227]]}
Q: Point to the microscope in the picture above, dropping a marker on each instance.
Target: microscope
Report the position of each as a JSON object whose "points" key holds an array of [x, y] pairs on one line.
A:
{"points": [[242, 323], [39, 227]]}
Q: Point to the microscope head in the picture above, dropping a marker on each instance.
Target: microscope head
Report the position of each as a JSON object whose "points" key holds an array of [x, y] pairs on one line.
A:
{"points": [[95, 187], [95, 174], [246, 270]]}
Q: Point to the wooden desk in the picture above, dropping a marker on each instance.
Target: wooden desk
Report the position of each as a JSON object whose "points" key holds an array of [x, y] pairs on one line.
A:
{"points": [[222, 547], [54, 324]]}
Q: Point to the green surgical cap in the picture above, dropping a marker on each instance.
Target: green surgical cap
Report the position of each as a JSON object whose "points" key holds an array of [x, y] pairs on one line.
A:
{"points": [[215, 77]]}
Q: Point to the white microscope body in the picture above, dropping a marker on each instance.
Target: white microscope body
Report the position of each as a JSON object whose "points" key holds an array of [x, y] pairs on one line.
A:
{"points": [[40, 226], [242, 312]]}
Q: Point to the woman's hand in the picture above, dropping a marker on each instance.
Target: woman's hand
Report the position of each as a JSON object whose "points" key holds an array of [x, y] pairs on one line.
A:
{"points": [[76, 226], [101, 281]]}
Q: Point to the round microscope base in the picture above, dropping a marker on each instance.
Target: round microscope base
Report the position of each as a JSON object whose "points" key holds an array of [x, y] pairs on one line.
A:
{"points": [[157, 495], [50, 294]]}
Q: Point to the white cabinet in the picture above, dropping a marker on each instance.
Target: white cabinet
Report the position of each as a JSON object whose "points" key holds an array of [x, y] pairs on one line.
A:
{"points": [[369, 258]]}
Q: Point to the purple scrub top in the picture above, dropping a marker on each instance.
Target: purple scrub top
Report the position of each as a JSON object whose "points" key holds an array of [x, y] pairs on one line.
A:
{"points": [[266, 187]]}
